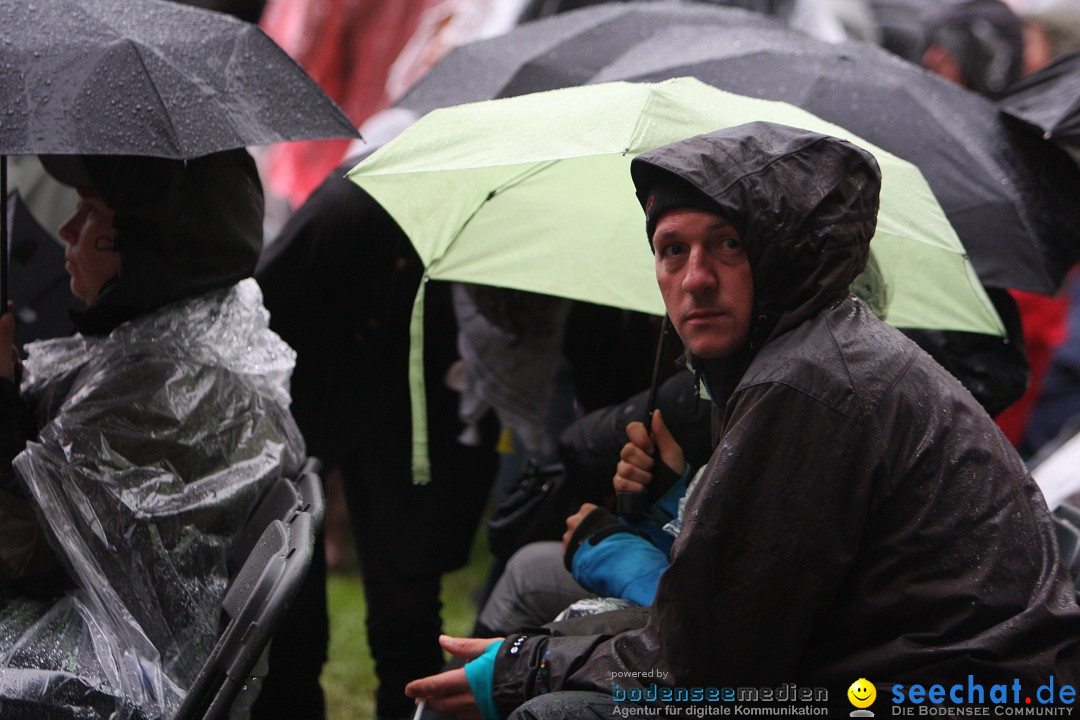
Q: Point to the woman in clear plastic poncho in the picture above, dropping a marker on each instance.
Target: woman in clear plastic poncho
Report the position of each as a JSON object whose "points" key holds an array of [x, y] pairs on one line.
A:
{"points": [[132, 451]]}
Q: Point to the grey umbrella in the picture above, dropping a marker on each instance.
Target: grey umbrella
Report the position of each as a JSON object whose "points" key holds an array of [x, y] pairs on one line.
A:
{"points": [[559, 51], [146, 77]]}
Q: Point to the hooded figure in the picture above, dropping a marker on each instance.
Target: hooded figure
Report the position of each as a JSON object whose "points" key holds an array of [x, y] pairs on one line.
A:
{"points": [[976, 43], [182, 227], [135, 449], [861, 515]]}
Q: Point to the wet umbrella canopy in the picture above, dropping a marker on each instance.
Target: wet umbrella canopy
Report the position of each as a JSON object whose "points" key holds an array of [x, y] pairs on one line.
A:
{"points": [[560, 51], [148, 77], [1049, 99], [534, 193]]}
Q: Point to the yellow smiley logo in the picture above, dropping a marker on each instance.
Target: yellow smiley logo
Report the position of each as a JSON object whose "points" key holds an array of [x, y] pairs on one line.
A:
{"points": [[862, 693]]}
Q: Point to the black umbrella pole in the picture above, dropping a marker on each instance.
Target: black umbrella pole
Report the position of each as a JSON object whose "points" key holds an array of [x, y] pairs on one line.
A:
{"points": [[3, 235], [637, 504], [661, 351]]}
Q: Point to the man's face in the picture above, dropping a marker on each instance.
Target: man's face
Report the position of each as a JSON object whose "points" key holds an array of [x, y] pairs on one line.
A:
{"points": [[704, 276]]}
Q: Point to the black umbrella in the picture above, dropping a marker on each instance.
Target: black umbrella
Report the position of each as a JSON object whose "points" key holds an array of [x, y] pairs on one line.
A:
{"points": [[903, 25], [1049, 99], [146, 77], [560, 51]]}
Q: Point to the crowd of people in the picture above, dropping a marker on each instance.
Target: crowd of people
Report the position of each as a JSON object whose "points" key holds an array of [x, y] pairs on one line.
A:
{"points": [[825, 502]]}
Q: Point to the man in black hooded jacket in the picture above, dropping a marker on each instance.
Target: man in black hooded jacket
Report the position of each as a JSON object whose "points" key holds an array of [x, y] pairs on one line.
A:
{"points": [[861, 516]]}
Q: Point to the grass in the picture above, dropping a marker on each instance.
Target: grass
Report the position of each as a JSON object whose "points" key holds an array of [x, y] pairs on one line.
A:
{"points": [[349, 675]]}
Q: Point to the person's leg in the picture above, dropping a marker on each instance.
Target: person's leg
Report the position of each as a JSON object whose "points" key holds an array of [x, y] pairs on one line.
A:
{"points": [[533, 589], [403, 624], [403, 609]]}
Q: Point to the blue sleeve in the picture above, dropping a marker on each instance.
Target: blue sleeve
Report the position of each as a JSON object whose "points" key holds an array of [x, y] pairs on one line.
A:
{"points": [[662, 512], [667, 507], [621, 565], [480, 674]]}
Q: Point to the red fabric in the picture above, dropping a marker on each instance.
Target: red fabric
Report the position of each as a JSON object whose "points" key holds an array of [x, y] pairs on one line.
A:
{"points": [[1043, 320], [347, 46]]}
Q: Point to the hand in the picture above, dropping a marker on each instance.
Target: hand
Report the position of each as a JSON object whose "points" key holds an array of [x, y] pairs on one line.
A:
{"points": [[634, 471], [9, 360], [573, 521], [449, 691]]}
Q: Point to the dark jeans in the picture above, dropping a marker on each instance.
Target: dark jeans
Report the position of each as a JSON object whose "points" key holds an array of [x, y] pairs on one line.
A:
{"points": [[403, 624], [406, 539]]}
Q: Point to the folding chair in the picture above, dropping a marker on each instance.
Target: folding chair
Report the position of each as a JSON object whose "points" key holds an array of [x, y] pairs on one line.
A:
{"points": [[281, 502], [284, 499], [310, 488], [263, 588]]}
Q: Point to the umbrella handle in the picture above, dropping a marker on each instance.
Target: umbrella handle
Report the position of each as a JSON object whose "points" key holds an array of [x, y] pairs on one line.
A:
{"points": [[632, 505], [636, 505]]}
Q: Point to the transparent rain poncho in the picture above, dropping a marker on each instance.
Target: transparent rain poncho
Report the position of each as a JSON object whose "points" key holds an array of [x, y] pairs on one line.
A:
{"points": [[156, 441]]}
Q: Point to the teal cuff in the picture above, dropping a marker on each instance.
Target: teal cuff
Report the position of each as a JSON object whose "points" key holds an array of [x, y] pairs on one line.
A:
{"points": [[480, 672]]}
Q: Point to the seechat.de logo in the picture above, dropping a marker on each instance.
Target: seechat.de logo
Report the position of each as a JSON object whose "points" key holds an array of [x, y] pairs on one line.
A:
{"points": [[862, 695]]}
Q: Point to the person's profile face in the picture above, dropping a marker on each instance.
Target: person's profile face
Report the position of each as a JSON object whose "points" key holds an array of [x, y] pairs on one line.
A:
{"points": [[90, 259], [704, 276]]}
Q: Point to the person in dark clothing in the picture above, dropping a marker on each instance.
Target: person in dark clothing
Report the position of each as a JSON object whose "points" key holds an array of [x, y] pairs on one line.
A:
{"points": [[861, 516], [976, 43], [339, 282], [133, 451]]}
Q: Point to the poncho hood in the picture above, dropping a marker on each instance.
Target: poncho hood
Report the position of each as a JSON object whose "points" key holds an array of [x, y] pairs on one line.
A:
{"points": [[182, 227], [805, 205]]}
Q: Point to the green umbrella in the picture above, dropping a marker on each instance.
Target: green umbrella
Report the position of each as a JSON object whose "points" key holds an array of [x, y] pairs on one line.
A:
{"points": [[534, 193]]}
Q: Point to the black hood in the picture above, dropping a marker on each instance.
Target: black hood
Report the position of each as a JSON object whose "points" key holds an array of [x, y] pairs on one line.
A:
{"points": [[182, 227], [804, 204], [986, 39]]}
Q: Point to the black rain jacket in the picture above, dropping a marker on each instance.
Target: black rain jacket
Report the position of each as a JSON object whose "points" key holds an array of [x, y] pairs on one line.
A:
{"points": [[862, 516]]}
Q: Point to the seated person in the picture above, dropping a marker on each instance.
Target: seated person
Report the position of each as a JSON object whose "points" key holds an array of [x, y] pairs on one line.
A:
{"points": [[623, 558], [134, 449], [861, 515], [535, 586]]}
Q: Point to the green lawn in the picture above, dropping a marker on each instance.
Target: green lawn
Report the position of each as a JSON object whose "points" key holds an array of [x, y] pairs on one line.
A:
{"points": [[349, 675]]}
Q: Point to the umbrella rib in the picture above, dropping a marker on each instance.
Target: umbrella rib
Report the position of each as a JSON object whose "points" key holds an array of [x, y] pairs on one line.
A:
{"points": [[635, 135], [516, 180], [138, 54]]}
